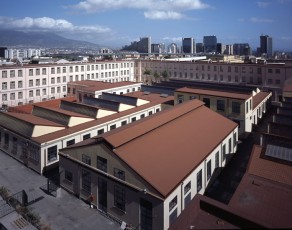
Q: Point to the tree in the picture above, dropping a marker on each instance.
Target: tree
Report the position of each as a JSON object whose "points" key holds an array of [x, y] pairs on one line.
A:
{"points": [[156, 76], [164, 75], [147, 72]]}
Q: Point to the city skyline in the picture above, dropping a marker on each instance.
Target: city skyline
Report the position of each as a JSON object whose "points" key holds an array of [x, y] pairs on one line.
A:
{"points": [[118, 23]]}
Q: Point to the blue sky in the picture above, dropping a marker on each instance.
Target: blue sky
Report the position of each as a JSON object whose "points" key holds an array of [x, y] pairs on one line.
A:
{"points": [[114, 23]]}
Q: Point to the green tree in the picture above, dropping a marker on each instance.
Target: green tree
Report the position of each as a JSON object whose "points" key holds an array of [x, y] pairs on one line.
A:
{"points": [[164, 75], [156, 76]]}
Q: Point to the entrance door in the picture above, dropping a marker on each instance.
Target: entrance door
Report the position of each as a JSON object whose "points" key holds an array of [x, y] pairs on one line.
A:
{"points": [[102, 194]]}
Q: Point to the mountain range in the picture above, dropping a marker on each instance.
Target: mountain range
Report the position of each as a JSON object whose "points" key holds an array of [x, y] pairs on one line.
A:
{"points": [[40, 40]]}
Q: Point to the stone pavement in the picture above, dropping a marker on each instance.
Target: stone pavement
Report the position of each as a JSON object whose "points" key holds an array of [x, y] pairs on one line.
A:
{"points": [[63, 212]]}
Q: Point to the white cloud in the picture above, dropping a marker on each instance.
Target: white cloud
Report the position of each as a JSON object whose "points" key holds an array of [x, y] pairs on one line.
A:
{"points": [[163, 15], [263, 4], [173, 39], [154, 9], [261, 20], [49, 24]]}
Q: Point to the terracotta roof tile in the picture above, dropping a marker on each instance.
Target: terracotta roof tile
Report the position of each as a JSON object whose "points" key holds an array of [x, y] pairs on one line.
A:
{"points": [[177, 138], [214, 93], [259, 97]]}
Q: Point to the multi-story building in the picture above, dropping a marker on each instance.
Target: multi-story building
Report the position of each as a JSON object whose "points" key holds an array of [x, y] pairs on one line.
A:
{"points": [[210, 44], [188, 45], [266, 46], [244, 109], [145, 174], [34, 83], [261, 75], [241, 49], [172, 48], [33, 134]]}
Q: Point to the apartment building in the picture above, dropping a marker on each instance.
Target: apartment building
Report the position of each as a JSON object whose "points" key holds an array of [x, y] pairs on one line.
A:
{"points": [[270, 76], [33, 134], [145, 174], [40, 82], [244, 109]]}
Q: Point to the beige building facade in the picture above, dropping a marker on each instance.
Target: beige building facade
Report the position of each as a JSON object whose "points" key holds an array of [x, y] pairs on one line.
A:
{"points": [[40, 82], [270, 76]]}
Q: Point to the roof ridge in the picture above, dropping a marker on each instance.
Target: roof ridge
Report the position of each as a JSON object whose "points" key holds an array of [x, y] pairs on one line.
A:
{"points": [[156, 125]]}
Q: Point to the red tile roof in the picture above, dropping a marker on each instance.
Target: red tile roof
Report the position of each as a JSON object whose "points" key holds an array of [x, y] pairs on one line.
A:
{"points": [[92, 86], [179, 138], [264, 200], [259, 97], [268, 169], [214, 93]]}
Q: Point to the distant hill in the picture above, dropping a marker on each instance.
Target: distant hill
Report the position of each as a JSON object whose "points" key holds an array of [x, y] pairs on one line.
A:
{"points": [[40, 39]]}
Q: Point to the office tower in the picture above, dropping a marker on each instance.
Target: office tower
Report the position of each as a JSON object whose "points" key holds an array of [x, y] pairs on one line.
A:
{"points": [[241, 49], [199, 47], [144, 45], [210, 44], [229, 50], [266, 45], [172, 48], [2, 51], [157, 48], [188, 45]]}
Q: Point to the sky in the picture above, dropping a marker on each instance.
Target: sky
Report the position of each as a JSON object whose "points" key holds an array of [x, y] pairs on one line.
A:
{"points": [[115, 23]]}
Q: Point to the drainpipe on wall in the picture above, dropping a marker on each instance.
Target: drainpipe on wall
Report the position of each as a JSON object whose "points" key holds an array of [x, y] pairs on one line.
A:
{"points": [[181, 196]]}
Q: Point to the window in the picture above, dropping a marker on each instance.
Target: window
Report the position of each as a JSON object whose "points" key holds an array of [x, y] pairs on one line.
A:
{"points": [[277, 71], [234, 139], [44, 91], [142, 116], [44, 81], [30, 84], [64, 69], [86, 159], [235, 107], [192, 97], [68, 176], [187, 188], [112, 127], [14, 144], [150, 113], [19, 73], [270, 71], [12, 85], [58, 80], [12, 96], [4, 74], [207, 102], [20, 95], [86, 181], [220, 105], [37, 92], [199, 181], [229, 145], [86, 136], [52, 153], [101, 163], [52, 70], [4, 85], [71, 142], [223, 152], [30, 93], [172, 203], [120, 198], [124, 123], [30, 72], [19, 84], [146, 215], [4, 97], [217, 160], [119, 174], [172, 216], [180, 98], [37, 72], [52, 80], [37, 82], [209, 169], [101, 131], [58, 70], [44, 71], [133, 119]]}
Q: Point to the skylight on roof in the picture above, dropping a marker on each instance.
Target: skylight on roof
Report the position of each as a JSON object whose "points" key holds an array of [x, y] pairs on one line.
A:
{"points": [[279, 152]]}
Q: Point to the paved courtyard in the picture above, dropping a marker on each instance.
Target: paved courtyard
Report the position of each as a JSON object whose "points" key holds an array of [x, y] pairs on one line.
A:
{"points": [[63, 212]]}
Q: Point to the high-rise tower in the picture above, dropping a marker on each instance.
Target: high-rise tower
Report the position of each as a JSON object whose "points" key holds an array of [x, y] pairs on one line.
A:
{"points": [[266, 45]]}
